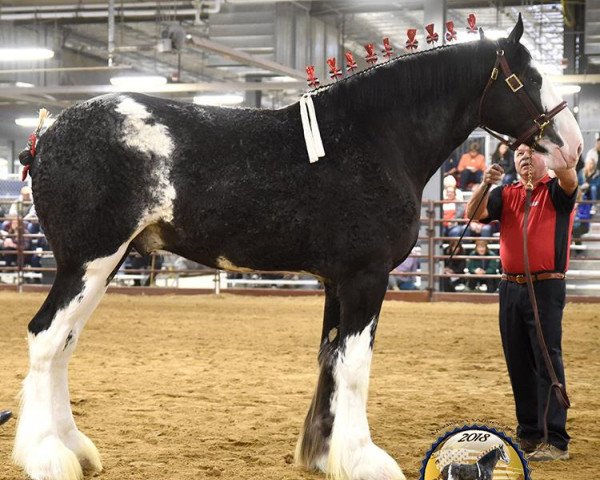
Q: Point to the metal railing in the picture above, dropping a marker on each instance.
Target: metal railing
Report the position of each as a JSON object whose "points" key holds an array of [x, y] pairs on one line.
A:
{"points": [[26, 259]]}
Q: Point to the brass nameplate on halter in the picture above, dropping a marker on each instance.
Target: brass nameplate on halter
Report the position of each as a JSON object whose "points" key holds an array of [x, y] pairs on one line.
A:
{"points": [[514, 83]]}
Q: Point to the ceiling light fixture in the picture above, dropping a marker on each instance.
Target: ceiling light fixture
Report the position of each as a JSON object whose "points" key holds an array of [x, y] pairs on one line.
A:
{"points": [[31, 122], [25, 54], [138, 81], [219, 100], [567, 89]]}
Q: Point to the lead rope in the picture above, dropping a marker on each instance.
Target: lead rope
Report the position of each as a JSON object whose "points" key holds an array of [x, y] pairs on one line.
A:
{"points": [[559, 388], [310, 127]]}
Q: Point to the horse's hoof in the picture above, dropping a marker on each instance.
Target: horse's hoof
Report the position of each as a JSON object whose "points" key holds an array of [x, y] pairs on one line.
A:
{"points": [[50, 459], [366, 463], [84, 449]]}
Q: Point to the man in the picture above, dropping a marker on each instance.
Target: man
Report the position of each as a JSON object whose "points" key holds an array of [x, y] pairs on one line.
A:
{"points": [[594, 153], [5, 416], [550, 224], [471, 166]]}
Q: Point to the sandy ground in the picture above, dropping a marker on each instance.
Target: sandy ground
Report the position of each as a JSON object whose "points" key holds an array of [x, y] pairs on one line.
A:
{"points": [[200, 387]]}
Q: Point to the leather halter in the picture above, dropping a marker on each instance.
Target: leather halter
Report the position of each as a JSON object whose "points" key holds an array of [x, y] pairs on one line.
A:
{"points": [[540, 120]]}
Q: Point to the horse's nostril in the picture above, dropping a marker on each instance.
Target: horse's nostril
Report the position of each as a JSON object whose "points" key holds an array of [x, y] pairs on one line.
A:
{"points": [[579, 149]]}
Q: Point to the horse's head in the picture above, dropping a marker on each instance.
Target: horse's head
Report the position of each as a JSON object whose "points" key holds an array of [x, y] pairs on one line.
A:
{"points": [[513, 106], [503, 455]]}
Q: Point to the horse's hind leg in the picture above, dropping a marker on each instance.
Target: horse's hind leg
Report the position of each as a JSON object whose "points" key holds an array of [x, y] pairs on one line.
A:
{"points": [[48, 444]]}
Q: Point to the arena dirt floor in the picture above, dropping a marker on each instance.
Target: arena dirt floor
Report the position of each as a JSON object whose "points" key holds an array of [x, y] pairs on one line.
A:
{"points": [[205, 386]]}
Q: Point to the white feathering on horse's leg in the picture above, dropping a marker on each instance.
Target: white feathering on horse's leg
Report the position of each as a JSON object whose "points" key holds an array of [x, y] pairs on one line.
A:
{"points": [[352, 453]]}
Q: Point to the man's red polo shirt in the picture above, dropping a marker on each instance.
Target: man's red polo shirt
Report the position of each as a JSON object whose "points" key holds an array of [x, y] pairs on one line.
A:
{"points": [[550, 224]]}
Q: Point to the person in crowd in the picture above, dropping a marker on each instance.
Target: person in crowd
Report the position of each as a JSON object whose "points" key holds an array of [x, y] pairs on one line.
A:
{"points": [[504, 157], [399, 279], [139, 263], [554, 200], [26, 200], [589, 179], [456, 266], [581, 225], [471, 166], [482, 266], [450, 167], [451, 210], [10, 242], [594, 153]]}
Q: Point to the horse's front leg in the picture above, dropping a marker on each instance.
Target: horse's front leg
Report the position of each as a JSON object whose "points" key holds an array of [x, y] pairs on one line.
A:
{"points": [[344, 383]]}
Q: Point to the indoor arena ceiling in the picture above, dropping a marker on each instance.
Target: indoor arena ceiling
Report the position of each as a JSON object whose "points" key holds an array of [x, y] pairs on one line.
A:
{"points": [[230, 44]]}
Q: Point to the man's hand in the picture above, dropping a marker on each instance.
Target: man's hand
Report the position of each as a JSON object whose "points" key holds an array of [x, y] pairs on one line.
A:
{"points": [[493, 174]]}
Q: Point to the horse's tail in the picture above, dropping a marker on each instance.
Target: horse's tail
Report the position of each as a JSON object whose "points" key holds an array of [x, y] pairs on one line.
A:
{"points": [[27, 156]]}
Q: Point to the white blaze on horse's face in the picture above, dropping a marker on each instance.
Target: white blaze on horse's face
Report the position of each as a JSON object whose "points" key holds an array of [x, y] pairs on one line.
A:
{"points": [[566, 128]]}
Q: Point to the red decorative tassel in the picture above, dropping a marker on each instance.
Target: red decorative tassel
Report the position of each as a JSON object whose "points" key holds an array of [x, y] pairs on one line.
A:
{"points": [[32, 141], [24, 173], [412, 43], [432, 36], [451, 33], [350, 63], [472, 28], [387, 51], [371, 55], [334, 71], [311, 79]]}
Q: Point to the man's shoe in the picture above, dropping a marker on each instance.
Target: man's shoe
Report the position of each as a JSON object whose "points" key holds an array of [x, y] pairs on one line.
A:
{"points": [[527, 445], [548, 453], [5, 416]]}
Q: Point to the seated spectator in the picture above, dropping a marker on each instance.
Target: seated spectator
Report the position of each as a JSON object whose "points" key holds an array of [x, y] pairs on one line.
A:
{"points": [[405, 282], [26, 200], [504, 157], [581, 224], [475, 229], [10, 241], [457, 265], [589, 180], [450, 167], [482, 266], [471, 167], [451, 210]]}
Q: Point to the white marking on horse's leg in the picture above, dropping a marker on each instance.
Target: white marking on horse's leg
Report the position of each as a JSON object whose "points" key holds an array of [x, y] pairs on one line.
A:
{"points": [[48, 444], [352, 454]]}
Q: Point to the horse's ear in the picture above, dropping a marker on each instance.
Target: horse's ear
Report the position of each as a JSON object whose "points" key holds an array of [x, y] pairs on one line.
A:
{"points": [[481, 34], [517, 32]]}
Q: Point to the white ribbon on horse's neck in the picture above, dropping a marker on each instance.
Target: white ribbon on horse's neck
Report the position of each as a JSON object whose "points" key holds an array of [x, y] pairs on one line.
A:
{"points": [[310, 126]]}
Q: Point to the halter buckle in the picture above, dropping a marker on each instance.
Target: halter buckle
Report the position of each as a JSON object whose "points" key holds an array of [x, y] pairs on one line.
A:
{"points": [[494, 74], [514, 83]]}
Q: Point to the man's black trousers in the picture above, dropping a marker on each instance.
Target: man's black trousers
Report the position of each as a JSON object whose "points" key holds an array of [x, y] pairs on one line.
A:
{"points": [[526, 367]]}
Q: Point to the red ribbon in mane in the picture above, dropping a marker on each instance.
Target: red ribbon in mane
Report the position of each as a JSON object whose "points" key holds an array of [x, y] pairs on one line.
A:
{"points": [[334, 71], [350, 63], [432, 37], [387, 48], [311, 79], [31, 143], [451, 33], [371, 55], [412, 43], [472, 28]]}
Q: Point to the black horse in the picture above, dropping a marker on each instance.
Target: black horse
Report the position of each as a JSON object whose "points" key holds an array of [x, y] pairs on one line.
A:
{"points": [[233, 188], [483, 469]]}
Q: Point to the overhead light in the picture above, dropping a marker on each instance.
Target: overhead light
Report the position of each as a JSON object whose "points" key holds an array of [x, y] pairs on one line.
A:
{"points": [[495, 33], [566, 89], [24, 85], [24, 54], [33, 121], [227, 99], [138, 81]]}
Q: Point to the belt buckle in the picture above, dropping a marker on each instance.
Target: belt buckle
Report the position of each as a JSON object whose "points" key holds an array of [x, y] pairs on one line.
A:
{"points": [[520, 279]]}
